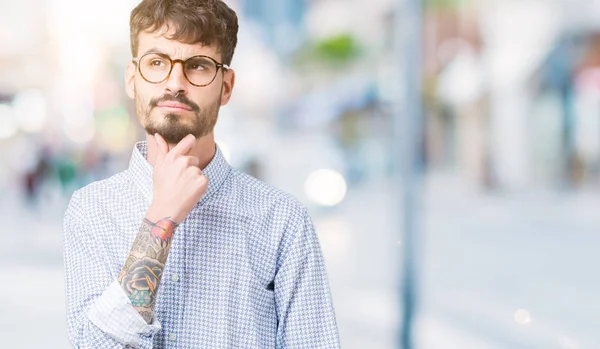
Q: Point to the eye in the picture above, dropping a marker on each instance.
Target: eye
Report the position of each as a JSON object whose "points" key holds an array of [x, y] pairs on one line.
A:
{"points": [[157, 63], [197, 66]]}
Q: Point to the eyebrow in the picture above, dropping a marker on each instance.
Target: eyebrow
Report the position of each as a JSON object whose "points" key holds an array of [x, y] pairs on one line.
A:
{"points": [[154, 50]]}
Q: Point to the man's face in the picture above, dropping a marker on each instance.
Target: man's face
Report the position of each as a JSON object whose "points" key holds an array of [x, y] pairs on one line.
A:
{"points": [[175, 108]]}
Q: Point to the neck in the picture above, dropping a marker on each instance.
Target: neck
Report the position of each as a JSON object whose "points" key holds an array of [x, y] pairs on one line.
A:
{"points": [[204, 149]]}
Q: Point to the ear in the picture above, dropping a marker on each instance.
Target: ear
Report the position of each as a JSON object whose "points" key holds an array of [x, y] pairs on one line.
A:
{"points": [[130, 80], [228, 83]]}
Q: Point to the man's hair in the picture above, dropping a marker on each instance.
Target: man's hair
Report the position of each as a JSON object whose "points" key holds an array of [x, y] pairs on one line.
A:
{"points": [[206, 22]]}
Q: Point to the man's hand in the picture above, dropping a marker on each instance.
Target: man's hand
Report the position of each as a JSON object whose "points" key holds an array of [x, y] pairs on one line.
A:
{"points": [[178, 181]]}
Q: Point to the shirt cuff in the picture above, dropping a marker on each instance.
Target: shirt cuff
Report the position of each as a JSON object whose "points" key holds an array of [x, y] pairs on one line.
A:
{"points": [[114, 314]]}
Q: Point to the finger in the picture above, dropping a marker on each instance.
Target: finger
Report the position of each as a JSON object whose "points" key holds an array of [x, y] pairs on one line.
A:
{"points": [[201, 182], [193, 161], [188, 161], [161, 146], [195, 171], [184, 146]]}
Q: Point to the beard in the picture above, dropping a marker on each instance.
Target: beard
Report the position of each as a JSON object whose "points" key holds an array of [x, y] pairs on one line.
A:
{"points": [[176, 125]]}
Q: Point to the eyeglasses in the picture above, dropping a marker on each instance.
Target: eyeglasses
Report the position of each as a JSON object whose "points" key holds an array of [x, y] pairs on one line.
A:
{"points": [[200, 70]]}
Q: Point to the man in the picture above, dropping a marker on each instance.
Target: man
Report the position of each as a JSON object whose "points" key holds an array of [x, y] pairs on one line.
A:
{"points": [[181, 250]]}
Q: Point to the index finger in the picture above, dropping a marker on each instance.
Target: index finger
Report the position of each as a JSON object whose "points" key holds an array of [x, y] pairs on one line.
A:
{"points": [[184, 145]]}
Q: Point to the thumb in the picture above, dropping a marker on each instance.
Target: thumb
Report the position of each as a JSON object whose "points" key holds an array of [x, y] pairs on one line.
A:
{"points": [[161, 146]]}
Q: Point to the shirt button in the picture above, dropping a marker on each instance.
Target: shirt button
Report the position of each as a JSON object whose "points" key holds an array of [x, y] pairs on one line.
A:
{"points": [[175, 278], [172, 337]]}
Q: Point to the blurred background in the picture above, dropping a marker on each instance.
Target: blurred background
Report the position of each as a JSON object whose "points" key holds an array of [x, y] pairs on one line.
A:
{"points": [[503, 252]]}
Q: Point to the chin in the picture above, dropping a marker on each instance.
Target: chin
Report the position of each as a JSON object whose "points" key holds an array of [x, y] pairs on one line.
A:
{"points": [[168, 118]]}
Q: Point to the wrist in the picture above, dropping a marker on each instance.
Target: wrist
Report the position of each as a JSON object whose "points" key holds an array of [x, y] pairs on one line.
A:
{"points": [[155, 214]]}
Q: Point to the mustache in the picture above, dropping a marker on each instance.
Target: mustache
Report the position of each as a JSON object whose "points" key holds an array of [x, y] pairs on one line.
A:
{"points": [[172, 98]]}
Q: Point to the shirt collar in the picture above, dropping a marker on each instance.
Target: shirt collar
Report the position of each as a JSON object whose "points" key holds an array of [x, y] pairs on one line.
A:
{"points": [[140, 171]]}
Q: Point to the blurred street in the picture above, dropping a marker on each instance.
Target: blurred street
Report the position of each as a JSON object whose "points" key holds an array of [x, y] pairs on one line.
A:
{"points": [[510, 271], [488, 256]]}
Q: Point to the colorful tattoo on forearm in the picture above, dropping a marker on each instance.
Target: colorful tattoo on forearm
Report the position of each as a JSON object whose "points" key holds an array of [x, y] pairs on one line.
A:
{"points": [[143, 270]]}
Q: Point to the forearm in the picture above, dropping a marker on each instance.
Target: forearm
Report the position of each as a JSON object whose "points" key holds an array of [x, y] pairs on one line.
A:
{"points": [[142, 272]]}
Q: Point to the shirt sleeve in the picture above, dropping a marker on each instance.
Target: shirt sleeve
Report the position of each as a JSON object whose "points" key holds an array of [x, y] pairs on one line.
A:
{"points": [[306, 317], [114, 314], [99, 314]]}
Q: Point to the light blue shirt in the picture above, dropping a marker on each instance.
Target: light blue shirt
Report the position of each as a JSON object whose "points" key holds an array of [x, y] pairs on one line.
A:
{"points": [[245, 269]]}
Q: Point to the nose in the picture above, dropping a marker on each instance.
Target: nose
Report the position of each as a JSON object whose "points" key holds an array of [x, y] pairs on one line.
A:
{"points": [[177, 82]]}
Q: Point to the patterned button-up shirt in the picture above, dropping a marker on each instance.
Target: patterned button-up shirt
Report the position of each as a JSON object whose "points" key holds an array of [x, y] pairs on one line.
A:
{"points": [[245, 269]]}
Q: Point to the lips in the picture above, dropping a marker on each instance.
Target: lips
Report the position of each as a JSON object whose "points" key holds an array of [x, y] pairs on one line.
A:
{"points": [[174, 105]]}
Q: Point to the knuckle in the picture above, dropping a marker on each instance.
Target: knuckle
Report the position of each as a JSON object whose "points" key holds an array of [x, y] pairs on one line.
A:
{"points": [[194, 170], [182, 161], [198, 180], [192, 160]]}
